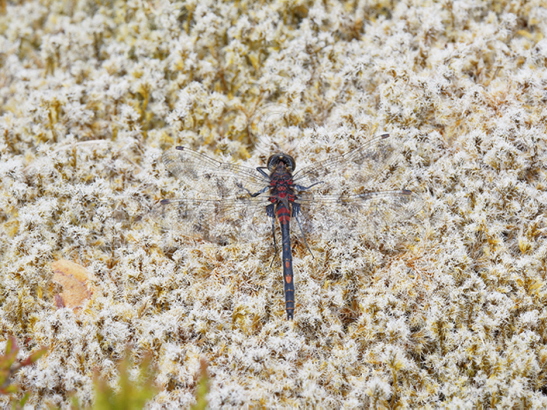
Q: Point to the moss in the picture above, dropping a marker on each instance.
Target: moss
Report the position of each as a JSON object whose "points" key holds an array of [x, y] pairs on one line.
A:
{"points": [[444, 310]]}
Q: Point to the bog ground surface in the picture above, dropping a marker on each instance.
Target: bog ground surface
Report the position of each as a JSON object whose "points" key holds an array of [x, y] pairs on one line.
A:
{"points": [[92, 93]]}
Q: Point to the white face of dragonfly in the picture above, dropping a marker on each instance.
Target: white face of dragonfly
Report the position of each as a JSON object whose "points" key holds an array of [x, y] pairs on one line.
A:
{"points": [[274, 161]]}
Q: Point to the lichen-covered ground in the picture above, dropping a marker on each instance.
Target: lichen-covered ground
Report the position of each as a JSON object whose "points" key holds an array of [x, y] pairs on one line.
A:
{"points": [[93, 92]]}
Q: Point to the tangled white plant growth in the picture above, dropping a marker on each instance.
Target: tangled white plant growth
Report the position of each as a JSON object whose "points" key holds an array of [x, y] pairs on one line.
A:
{"points": [[92, 94]]}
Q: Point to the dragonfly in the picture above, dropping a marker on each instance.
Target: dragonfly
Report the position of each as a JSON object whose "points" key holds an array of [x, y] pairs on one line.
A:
{"points": [[227, 199]]}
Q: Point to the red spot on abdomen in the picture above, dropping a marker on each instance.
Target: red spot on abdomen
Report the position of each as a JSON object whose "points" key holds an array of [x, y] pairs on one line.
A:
{"points": [[283, 215], [288, 278]]}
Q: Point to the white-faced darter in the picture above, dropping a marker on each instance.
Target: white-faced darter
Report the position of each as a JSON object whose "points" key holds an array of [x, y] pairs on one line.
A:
{"points": [[336, 195]]}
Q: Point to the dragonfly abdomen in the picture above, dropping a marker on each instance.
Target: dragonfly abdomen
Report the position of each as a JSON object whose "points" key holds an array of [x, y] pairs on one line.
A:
{"points": [[284, 216]]}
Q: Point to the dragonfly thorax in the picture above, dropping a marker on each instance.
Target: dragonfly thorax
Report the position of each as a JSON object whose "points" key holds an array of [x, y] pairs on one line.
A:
{"points": [[276, 159]]}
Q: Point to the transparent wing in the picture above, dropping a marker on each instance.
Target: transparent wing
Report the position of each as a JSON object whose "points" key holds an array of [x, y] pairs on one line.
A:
{"points": [[349, 200], [354, 171], [378, 215], [221, 221], [209, 178], [216, 204]]}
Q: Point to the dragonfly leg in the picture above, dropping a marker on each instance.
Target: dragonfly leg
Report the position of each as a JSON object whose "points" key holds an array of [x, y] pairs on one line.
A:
{"points": [[251, 194], [262, 172], [305, 188]]}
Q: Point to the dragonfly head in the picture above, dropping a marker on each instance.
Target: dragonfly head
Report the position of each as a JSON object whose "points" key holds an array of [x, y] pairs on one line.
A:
{"points": [[287, 160]]}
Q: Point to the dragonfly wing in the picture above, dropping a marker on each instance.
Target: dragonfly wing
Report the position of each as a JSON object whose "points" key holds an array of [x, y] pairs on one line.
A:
{"points": [[222, 221], [379, 214], [361, 167], [209, 178]]}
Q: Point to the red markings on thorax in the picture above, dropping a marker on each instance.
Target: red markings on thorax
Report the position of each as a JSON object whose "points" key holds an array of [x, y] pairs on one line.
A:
{"points": [[282, 193]]}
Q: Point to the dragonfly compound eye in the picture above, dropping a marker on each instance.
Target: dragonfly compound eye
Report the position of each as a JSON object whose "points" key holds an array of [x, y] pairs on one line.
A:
{"points": [[274, 160]]}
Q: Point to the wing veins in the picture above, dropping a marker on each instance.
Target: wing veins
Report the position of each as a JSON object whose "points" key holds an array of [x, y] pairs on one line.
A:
{"points": [[180, 162], [337, 164]]}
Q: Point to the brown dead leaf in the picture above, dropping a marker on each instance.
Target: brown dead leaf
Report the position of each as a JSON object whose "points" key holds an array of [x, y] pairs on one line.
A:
{"points": [[76, 283]]}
